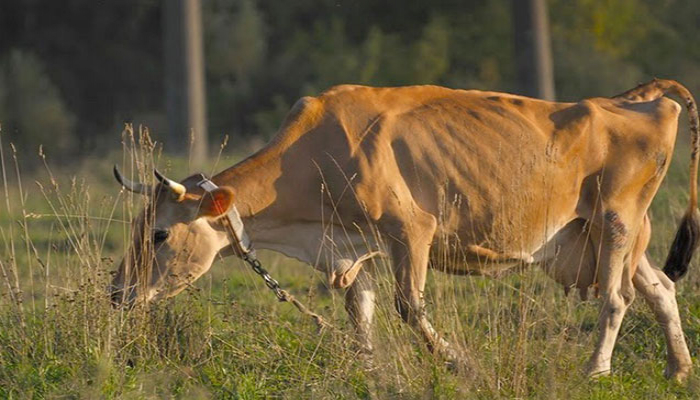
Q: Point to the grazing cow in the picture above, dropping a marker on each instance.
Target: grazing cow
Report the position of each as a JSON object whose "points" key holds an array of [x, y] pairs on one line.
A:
{"points": [[503, 180]]}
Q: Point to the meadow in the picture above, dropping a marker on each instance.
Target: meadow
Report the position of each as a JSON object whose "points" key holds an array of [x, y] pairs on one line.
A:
{"points": [[63, 231]]}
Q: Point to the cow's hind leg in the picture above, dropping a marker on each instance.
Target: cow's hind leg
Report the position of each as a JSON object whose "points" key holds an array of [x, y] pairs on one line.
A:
{"points": [[615, 279], [359, 303], [659, 292]]}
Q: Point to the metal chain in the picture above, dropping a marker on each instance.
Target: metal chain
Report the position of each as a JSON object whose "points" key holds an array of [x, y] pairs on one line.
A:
{"points": [[283, 295], [269, 281], [248, 255]]}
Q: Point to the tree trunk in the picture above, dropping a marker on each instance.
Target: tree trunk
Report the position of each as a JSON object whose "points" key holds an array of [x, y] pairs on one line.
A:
{"points": [[533, 53], [184, 79]]}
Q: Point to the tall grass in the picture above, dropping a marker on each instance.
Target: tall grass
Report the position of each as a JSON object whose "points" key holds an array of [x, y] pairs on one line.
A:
{"points": [[63, 233]]}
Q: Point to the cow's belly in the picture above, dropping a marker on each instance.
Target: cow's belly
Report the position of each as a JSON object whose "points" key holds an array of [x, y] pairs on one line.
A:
{"points": [[474, 254], [334, 250]]}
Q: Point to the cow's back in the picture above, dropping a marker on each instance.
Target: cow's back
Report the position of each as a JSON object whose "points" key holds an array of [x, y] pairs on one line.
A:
{"points": [[476, 160], [487, 165]]}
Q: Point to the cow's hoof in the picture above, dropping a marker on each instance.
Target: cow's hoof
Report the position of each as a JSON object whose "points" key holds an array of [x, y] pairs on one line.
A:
{"points": [[457, 362], [366, 359], [452, 365], [599, 372], [449, 356], [676, 373]]}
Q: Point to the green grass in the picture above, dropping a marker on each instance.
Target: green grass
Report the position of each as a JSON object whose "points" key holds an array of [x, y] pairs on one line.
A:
{"points": [[229, 338]]}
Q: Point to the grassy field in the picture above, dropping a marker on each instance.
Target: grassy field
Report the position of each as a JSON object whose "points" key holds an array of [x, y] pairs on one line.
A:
{"points": [[62, 230]]}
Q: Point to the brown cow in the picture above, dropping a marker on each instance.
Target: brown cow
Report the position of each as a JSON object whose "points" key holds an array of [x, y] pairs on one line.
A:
{"points": [[502, 180]]}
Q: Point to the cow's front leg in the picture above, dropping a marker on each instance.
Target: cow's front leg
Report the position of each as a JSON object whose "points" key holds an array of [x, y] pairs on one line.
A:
{"points": [[659, 292], [410, 251], [359, 303], [615, 280]]}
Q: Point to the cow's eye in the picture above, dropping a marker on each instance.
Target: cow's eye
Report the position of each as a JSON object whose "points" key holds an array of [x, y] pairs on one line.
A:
{"points": [[159, 235]]}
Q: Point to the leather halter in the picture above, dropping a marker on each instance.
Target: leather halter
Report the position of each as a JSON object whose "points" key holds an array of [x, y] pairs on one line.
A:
{"points": [[239, 238]]}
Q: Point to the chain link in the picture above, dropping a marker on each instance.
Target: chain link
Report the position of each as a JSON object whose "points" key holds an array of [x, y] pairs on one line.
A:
{"points": [[248, 255], [269, 281]]}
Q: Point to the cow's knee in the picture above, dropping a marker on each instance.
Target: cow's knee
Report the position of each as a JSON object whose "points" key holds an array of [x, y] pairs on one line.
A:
{"points": [[616, 303]]}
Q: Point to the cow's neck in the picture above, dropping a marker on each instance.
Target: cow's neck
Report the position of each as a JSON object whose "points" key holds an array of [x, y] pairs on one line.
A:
{"points": [[253, 182], [270, 222]]}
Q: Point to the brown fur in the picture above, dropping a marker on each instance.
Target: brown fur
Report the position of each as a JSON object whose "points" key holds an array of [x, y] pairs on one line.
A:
{"points": [[688, 235], [491, 177]]}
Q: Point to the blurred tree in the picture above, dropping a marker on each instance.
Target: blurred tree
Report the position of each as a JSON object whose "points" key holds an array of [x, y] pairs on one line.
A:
{"points": [[105, 59], [533, 53], [581, 71], [31, 109], [610, 26], [236, 46], [670, 48], [185, 98], [431, 52]]}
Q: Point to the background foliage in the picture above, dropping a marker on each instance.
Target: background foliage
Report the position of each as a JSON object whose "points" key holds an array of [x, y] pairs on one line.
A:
{"points": [[101, 63], [72, 72]]}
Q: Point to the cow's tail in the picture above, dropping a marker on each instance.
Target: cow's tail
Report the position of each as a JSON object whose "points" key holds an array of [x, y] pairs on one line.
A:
{"points": [[688, 234]]}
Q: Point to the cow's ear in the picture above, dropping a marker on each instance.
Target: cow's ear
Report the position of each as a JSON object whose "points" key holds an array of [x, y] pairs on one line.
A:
{"points": [[216, 203]]}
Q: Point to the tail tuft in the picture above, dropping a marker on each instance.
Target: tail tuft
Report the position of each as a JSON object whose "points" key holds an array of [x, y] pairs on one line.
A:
{"points": [[683, 246]]}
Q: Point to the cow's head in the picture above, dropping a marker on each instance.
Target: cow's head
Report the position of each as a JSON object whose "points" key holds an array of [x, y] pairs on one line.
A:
{"points": [[174, 239]]}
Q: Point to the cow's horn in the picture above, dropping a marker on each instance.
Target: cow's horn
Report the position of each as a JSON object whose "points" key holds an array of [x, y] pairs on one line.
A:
{"points": [[136, 187], [178, 189]]}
